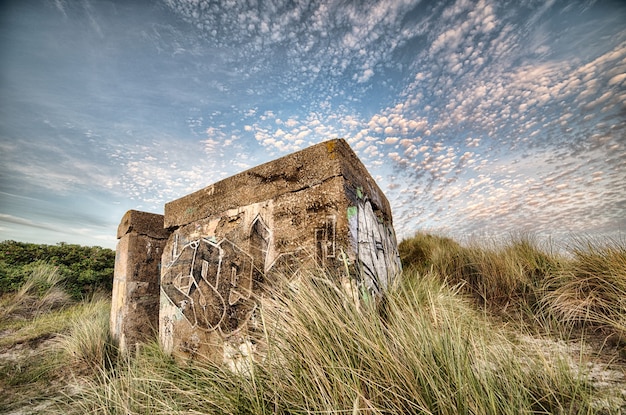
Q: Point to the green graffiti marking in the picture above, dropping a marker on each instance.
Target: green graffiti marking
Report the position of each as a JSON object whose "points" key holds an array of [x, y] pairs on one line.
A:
{"points": [[352, 212], [359, 192]]}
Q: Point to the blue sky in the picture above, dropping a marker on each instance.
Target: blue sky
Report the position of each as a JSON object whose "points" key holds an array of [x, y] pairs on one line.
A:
{"points": [[475, 117]]}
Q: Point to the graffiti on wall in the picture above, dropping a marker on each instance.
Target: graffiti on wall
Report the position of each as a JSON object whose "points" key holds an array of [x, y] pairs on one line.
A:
{"points": [[376, 248], [211, 284], [260, 241], [325, 240]]}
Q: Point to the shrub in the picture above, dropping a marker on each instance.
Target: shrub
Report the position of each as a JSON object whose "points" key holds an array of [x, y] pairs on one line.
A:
{"points": [[85, 269]]}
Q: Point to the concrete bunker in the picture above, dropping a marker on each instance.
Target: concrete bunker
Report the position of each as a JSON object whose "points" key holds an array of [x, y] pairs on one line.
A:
{"points": [[219, 245]]}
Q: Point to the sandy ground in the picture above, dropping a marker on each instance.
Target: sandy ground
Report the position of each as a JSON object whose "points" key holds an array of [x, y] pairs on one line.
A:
{"points": [[602, 364]]}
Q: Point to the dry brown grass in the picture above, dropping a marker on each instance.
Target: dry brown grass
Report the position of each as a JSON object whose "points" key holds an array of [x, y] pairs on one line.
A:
{"points": [[585, 286], [40, 293]]}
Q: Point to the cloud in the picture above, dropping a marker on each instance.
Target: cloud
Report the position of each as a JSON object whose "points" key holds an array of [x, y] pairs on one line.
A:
{"points": [[61, 6], [353, 39], [27, 222], [19, 228], [504, 108], [471, 113], [53, 167], [365, 76]]}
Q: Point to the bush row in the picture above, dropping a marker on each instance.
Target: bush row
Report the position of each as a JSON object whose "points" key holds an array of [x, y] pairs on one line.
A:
{"points": [[83, 269]]}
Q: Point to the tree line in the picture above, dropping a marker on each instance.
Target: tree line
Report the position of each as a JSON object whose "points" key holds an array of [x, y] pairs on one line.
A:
{"points": [[84, 269]]}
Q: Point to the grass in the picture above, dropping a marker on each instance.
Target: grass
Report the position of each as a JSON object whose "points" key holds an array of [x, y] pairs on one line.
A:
{"points": [[431, 347], [43, 341], [590, 289], [496, 275], [426, 350], [87, 341], [583, 285], [40, 293], [431, 353]]}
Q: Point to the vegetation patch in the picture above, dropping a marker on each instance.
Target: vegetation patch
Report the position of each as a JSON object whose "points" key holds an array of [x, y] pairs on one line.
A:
{"points": [[426, 350], [83, 270], [40, 329], [494, 329], [580, 287]]}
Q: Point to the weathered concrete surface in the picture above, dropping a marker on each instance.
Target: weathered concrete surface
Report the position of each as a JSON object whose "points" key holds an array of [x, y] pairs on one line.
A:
{"points": [[319, 205], [135, 301], [142, 223], [292, 173]]}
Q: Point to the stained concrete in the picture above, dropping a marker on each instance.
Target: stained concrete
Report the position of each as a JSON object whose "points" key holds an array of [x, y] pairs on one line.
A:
{"points": [[290, 174], [199, 268], [135, 301], [318, 206]]}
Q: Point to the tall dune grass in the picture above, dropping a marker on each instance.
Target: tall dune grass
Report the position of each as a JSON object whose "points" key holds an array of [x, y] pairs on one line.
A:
{"points": [[495, 274], [423, 350], [32, 365], [87, 343], [584, 286], [41, 292], [590, 289]]}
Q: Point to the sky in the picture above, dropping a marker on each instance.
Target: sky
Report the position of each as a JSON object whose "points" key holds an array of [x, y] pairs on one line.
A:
{"points": [[476, 118]]}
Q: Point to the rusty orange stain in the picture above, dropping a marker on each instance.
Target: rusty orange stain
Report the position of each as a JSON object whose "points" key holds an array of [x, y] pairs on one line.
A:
{"points": [[330, 146]]}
